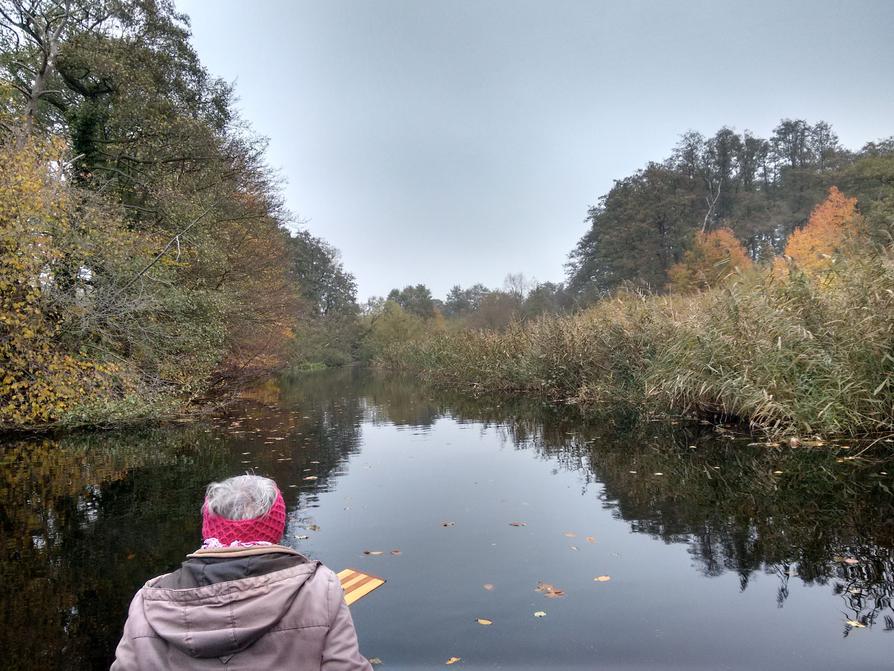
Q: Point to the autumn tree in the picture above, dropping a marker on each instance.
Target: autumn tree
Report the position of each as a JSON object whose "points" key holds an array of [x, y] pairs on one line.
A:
{"points": [[328, 330], [166, 257], [832, 225], [762, 189], [710, 260]]}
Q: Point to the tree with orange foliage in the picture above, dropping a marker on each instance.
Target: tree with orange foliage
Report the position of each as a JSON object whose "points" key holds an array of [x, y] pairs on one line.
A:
{"points": [[832, 224], [713, 256]]}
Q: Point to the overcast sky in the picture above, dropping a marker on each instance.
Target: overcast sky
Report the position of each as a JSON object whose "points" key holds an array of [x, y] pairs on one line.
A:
{"points": [[455, 142]]}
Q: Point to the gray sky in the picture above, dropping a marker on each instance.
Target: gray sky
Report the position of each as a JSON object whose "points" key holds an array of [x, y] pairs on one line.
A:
{"points": [[455, 142]]}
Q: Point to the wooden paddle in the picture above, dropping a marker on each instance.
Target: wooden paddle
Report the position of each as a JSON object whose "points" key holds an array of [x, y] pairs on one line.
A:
{"points": [[357, 584]]}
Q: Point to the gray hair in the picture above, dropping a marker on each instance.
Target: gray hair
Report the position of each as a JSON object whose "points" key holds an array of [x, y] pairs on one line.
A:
{"points": [[242, 497]]}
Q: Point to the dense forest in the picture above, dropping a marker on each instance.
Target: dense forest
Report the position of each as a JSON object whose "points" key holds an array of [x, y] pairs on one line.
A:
{"points": [[145, 258], [762, 190]]}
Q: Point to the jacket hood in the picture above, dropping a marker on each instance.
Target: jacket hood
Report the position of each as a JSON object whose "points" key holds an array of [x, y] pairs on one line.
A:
{"points": [[222, 619]]}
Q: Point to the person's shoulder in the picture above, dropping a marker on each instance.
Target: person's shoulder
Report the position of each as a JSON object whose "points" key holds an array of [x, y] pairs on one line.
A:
{"points": [[325, 574]]}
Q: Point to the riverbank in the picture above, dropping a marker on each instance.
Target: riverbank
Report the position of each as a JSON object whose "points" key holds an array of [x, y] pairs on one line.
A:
{"points": [[785, 352]]}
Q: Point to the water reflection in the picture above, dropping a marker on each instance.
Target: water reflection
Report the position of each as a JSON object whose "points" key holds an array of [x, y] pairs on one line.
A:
{"points": [[85, 519]]}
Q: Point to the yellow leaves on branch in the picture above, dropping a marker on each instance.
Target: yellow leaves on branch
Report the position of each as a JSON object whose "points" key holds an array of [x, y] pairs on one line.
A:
{"points": [[832, 224], [40, 381], [712, 258]]}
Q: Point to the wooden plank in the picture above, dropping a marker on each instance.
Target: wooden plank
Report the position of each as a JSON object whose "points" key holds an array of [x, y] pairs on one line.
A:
{"points": [[357, 584], [363, 590]]}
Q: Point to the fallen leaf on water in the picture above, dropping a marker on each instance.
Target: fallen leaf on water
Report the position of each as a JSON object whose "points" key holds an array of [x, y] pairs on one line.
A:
{"points": [[484, 621], [658, 473], [549, 591], [777, 472], [518, 524], [311, 477], [855, 623], [302, 537], [313, 527], [447, 523], [375, 661], [488, 586], [373, 553], [602, 578], [569, 534], [395, 552], [131, 556], [573, 547], [454, 660], [590, 539], [540, 613]]}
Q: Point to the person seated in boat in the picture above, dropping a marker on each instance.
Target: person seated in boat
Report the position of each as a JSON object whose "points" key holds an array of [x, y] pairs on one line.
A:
{"points": [[241, 601]]}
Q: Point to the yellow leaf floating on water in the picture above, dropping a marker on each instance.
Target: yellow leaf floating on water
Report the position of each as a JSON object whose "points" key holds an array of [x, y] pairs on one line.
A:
{"points": [[602, 578], [484, 621], [569, 534], [373, 553], [395, 552], [590, 539], [488, 586], [855, 623], [549, 591], [311, 477], [540, 613], [375, 661], [454, 660]]}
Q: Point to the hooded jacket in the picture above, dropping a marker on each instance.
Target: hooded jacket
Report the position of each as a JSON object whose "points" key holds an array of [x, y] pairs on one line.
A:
{"points": [[241, 608]]}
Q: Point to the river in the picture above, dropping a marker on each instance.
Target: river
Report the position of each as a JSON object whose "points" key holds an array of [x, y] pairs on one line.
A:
{"points": [[662, 545]]}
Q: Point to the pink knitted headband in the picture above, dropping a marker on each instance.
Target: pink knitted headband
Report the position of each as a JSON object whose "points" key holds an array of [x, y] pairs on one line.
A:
{"points": [[268, 528]]}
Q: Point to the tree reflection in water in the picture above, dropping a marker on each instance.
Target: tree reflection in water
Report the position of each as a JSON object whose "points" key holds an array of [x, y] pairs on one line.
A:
{"points": [[85, 518]]}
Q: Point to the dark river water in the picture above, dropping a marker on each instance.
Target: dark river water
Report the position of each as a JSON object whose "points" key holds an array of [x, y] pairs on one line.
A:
{"points": [[718, 554]]}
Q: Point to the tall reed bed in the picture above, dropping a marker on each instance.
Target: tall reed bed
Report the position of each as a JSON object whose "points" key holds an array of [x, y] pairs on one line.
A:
{"points": [[787, 352]]}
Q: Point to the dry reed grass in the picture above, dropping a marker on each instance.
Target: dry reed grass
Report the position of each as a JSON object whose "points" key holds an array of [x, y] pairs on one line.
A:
{"points": [[786, 352]]}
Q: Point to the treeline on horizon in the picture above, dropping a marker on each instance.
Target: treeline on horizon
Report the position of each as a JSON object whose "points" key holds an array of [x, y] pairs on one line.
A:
{"points": [[145, 261]]}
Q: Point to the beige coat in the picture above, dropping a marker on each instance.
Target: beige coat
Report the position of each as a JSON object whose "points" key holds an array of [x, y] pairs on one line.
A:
{"points": [[294, 618]]}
